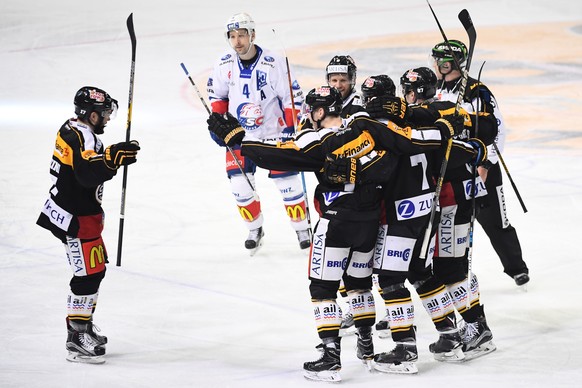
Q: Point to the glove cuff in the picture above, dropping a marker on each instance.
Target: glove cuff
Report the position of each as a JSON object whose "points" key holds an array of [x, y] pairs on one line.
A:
{"points": [[448, 126], [232, 134]]}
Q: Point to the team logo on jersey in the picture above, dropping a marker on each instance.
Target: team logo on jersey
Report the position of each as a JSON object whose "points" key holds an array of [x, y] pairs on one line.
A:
{"points": [[269, 59], [406, 209], [250, 116], [296, 86], [99, 194], [225, 57], [261, 79], [209, 83]]}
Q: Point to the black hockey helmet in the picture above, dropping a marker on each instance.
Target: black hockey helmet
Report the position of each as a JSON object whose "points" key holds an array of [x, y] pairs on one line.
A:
{"points": [[442, 52], [342, 64], [377, 85], [421, 80], [325, 97], [91, 99]]}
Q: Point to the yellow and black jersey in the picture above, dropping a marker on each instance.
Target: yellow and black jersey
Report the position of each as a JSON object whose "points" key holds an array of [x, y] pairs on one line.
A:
{"points": [[78, 171]]}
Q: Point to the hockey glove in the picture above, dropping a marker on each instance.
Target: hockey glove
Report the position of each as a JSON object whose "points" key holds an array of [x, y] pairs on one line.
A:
{"points": [[121, 154], [480, 151], [338, 170], [450, 125], [388, 107], [226, 127], [217, 140]]}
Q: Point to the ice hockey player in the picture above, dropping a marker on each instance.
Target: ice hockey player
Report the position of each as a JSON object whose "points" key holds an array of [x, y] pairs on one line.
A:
{"points": [[493, 216], [341, 74], [345, 235], [79, 167], [450, 261], [251, 83]]}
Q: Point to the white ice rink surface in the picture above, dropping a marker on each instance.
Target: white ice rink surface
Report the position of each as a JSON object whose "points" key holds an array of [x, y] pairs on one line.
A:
{"points": [[189, 307]]}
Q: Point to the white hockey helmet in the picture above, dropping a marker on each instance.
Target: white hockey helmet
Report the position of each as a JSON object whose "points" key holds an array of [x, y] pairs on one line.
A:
{"points": [[240, 20]]}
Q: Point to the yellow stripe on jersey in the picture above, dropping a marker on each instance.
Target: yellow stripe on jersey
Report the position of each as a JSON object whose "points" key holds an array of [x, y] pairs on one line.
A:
{"points": [[406, 131], [63, 152], [358, 147]]}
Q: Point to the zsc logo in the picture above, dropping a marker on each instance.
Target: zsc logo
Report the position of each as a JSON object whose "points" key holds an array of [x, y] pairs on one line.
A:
{"points": [[250, 116]]}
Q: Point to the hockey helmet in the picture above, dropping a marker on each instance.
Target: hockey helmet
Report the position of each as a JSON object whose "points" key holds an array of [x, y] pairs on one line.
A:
{"points": [[91, 99], [377, 85], [240, 20], [442, 52], [342, 64], [326, 97], [421, 80]]}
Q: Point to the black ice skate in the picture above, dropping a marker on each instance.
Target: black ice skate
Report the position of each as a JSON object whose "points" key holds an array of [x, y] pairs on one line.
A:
{"points": [[255, 240], [402, 359], [82, 346], [521, 279], [304, 238], [477, 339], [347, 326], [92, 329], [383, 328], [328, 366], [449, 347], [365, 346]]}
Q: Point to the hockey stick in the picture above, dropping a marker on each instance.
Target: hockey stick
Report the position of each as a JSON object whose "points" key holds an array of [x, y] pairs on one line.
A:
{"points": [[307, 213], [468, 25], [209, 113], [127, 135], [473, 197], [510, 179]]}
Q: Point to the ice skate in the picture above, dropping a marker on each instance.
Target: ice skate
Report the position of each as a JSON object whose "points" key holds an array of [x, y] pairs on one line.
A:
{"points": [[254, 240], [92, 329], [365, 346], [521, 280], [347, 326], [477, 339], [304, 238], [383, 328], [449, 347], [402, 359], [83, 347], [328, 366]]}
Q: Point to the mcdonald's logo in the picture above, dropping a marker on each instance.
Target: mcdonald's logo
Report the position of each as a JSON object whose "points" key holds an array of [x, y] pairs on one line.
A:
{"points": [[97, 256], [296, 213], [246, 214]]}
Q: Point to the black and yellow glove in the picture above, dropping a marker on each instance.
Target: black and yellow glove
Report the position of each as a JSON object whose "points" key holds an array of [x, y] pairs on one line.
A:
{"points": [[388, 107], [227, 128], [121, 154], [450, 125], [338, 170]]}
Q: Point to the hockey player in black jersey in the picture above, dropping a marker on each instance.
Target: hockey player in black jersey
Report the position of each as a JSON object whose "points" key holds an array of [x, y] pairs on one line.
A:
{"points": [[455, 201], [79, 167], [345, 236], [493, 216], [341, 74]]}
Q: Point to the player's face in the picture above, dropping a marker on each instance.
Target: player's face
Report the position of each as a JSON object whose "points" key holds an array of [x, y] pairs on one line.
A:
{"points": [[341, 82], [240, 41]]}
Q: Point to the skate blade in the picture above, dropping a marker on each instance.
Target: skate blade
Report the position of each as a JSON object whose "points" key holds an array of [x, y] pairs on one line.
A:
{"points": [[383, 334], [347, 331], [480, 351], [402, 368], [253, 251], [76, 357], [455, 355], [331, 376]]}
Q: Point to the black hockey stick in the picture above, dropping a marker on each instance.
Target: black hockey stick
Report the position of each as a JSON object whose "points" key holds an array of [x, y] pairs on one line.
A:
{"points": [[468, 25], [127, 135], [510, 179], [290, 81], [209, 113]]}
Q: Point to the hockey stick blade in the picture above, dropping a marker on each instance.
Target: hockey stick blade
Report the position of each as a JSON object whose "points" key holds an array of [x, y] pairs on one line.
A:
{"points": [[467, 23]]}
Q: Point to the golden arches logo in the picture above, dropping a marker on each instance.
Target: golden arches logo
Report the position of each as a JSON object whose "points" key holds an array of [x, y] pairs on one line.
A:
{"points": [[296, 212], [246, 214], [97, 256]]}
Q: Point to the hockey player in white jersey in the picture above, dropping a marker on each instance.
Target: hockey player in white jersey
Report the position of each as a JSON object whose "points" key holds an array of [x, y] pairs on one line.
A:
{"points": [[251, 83]]}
